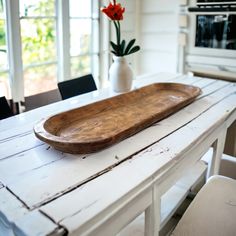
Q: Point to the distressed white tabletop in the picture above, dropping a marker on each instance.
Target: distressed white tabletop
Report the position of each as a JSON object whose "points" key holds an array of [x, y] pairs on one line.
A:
{"points": [[44, 191]]}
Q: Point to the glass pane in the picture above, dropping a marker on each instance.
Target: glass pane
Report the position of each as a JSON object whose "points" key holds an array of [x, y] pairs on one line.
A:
{"points": [[80, 66], [80, 8], [3, 48], [40, 79], [37, 7], [4, 86], [38, 40], [216, 31], [1, 9], [80, 36]]}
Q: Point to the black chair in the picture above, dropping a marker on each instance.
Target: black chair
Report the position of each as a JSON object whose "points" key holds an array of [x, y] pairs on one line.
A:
{"points": [[74, 87], [5, 110]]}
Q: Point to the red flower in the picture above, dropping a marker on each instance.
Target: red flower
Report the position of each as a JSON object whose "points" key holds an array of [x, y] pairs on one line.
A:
{"points": [[114, 11], [121, 48]]}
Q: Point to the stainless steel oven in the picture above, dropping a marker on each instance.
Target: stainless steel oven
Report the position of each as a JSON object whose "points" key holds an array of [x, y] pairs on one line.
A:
{"points": [[209, 39], [213, 28]]}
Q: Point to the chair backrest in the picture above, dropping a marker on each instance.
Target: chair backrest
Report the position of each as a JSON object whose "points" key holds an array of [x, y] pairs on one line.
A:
{"points": [[42, 99], [5, 110], [73, 87]]}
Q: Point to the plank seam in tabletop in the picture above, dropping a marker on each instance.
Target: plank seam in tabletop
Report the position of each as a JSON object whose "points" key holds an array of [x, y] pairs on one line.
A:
{"points": [[15, 136], [18, 153], [18, 198], [213, 91], [65, 231], [15, 216], [70, 188]]}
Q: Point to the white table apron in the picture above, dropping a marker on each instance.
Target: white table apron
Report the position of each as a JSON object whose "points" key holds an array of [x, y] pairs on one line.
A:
{"points": [[99, 194]]}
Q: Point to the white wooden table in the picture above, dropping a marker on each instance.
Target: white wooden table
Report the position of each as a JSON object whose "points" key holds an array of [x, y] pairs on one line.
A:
{"points": [[44, 191]]}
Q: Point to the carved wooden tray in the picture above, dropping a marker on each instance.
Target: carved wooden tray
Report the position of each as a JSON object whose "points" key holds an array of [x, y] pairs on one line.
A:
{"points": [[96, 126]]}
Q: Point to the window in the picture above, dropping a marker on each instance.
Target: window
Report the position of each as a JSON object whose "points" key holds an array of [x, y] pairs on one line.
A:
{"points": [[37, 34], [4, 82], [38, 30], [84, 30]]}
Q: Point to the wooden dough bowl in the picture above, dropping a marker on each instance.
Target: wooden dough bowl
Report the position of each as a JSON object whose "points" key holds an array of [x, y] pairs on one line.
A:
{"points": [[96, 126]]}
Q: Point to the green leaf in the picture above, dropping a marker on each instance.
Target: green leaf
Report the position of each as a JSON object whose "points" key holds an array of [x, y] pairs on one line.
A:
{"points": [[122, 47], [115, 53], [134, 49], [129, 46], [114, 46]]}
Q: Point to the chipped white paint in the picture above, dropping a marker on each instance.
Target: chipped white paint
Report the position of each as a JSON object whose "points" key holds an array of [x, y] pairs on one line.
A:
{"points": [[15, 219], [96, 194]]}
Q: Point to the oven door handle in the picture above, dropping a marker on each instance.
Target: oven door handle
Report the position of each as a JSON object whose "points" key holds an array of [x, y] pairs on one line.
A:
{"points": [[211, 9]]}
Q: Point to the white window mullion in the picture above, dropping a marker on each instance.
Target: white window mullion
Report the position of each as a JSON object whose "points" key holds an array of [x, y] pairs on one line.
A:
{"points": [[104, 46], [137, 33], [92, 37], [14, 50], [95, 40], [63, 40]]}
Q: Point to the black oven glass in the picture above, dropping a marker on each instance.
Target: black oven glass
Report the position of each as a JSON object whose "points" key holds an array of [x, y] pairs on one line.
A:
{"points": [[217, 1], [216, 31]]}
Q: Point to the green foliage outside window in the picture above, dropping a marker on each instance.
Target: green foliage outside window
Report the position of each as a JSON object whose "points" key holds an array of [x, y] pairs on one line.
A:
{"points": [[2, 26], [38, 40], [38, 35], [2, 33]]}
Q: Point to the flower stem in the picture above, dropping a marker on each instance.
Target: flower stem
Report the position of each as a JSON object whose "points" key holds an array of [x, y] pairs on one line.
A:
{"points": [[118, 23], [117, 26]]}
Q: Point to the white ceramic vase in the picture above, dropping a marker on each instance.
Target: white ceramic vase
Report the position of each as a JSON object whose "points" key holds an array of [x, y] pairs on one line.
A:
{"points": [[120, 75]]}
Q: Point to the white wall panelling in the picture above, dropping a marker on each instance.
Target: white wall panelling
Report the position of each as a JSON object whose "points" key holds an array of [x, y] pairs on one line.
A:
{"points": [[156, 60], [159, 5], [159, 36]]}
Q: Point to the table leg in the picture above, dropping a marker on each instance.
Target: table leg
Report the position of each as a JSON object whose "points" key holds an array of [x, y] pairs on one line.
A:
{"points": [[218, 147], [230, 145], [153, 214]]}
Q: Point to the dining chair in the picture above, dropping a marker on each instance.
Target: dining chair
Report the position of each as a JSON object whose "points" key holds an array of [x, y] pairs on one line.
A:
{"points": [[5, 110], [212, 211], [41, 99], [77, 86]]}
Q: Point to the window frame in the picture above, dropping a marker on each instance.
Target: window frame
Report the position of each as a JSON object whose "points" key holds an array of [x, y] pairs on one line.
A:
{"points": [[14, 44]]}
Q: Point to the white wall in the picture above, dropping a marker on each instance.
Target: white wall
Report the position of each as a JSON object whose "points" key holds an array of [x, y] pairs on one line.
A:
{"points": [[159, 33]]}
